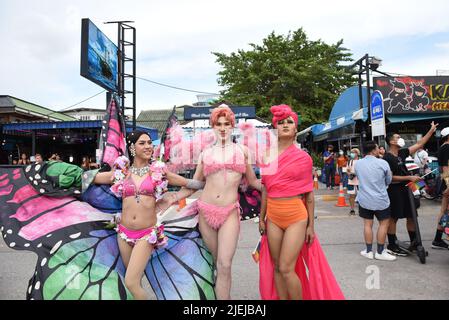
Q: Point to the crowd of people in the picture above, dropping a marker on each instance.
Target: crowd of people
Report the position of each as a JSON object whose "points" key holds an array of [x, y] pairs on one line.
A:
{"points": [[379, 183], [87, 162], [287, 208]]}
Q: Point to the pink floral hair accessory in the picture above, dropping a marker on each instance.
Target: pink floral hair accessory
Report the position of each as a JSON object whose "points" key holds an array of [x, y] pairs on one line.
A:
{"points": [[282, 112]]}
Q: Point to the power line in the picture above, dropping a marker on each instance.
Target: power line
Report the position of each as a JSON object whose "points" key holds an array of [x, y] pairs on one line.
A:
{"points": [[83, 100], [63, 109], [177, 88]]}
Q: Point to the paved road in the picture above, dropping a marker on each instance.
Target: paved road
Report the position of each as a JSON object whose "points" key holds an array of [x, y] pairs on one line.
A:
{"points": [[341, 237]]}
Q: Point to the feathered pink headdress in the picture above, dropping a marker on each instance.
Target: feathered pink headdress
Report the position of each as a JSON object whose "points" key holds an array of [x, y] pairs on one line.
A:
{"points": [[282, 112]]}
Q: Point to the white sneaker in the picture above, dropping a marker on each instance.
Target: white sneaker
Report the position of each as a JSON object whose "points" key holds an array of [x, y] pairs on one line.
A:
{"points": [[385, 256], [368, 255]]}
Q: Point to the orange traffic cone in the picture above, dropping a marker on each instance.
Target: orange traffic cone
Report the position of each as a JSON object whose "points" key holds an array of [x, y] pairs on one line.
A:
{"points": [[315, 183], [181, 204], [341, 198]]}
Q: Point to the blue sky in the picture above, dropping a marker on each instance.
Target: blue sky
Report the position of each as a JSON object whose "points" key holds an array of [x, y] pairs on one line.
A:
{"points": [[40, 53]]}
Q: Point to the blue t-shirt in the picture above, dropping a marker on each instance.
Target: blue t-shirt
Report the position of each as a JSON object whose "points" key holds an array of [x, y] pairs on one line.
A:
{"points": [[374, 177], [330, 161]]}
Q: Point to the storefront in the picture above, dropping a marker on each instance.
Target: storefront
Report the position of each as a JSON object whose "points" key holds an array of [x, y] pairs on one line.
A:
{"points": [[346, 124], [412, 103], [72, 140]]}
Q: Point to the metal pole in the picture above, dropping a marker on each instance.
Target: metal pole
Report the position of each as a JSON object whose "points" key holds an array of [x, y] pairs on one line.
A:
{"points": [[123, 69], [362, 139], [33, 142], [134, 79], [360, 86], [368, 91], [120, 66]]}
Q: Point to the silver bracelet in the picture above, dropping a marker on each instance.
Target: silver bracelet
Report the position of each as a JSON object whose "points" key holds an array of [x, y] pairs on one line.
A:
{"points": [[195, 184]]}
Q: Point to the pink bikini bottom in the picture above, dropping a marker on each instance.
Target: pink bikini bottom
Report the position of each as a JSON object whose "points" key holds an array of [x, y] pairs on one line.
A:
{"points": [[216, 215], [154, 235]]}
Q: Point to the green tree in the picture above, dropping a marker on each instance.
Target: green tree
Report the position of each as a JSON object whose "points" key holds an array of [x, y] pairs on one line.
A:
{"points": [[307, 75]]}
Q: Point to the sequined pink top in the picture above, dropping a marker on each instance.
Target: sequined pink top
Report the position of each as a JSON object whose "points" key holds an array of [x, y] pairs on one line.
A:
{"points": [[146, 188]]}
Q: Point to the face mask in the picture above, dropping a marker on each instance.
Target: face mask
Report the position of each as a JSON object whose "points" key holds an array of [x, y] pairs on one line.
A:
{"points": [[401, 142], [341, 153], [352, 155]]}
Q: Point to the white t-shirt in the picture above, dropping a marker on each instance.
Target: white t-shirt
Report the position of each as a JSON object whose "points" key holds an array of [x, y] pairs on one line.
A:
{"points": [[351, 166]]}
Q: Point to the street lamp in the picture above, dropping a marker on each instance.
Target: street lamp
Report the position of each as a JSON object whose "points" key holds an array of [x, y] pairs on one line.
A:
{"points": [[374, 63]]}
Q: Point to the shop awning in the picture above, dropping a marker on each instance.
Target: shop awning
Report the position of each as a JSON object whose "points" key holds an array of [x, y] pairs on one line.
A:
{"points": [[399, 118], [27, 126], [303, 132], [345, 112]]}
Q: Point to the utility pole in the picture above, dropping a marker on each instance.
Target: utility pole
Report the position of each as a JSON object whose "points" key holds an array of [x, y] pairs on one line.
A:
{"points": [[122, 27]]}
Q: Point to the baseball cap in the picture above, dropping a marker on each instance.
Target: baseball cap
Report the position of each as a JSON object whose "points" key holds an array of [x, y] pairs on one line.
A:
{"points": [[444, 132]]}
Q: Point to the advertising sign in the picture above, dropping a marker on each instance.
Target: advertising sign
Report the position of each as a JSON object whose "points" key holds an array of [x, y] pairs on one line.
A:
{"points": [[195, 113], [99, 57], [377, 114], [411, 95]]}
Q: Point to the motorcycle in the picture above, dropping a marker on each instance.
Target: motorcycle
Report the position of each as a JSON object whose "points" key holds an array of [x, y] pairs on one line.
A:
{"points": [[420, 166]]}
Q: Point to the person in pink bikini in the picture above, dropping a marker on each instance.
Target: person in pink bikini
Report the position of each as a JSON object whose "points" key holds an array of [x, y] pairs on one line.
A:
{"points": [[141, 189], [222, 166]]}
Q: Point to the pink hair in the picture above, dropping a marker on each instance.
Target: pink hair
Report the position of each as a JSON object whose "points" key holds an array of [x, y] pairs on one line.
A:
{"points": [[282, 112], [222, 111]]}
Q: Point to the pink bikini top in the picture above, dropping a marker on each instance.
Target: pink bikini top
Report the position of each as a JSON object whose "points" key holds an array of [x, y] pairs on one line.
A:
{"points": [[130, 189], [238, 164]]}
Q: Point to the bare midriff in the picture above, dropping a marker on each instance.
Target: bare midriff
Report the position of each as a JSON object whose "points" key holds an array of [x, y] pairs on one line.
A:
{"points": [[139, 215], [221, 188]]}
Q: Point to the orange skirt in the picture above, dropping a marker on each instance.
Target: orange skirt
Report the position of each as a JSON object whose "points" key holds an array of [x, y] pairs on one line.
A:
{"points": [[283, 213]]}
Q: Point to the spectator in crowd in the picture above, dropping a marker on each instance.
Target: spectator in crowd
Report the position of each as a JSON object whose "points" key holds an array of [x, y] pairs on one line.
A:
{"points": [[329, 166], [398, 190], [342, 163], [54, 157], [85, 164], [93, 164], [24, 159], [353, 182], [88, 164], [381, 152], [15, 161], [443, 163], [38, 158], [374, 176]]}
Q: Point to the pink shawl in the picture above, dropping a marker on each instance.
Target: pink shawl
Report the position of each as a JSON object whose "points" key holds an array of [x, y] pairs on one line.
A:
{"points": [[319, 284], [289, 175]]}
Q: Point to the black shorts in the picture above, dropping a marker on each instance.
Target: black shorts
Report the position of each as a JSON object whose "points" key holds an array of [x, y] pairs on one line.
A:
{"points": [[400, 202], [369, 214]]}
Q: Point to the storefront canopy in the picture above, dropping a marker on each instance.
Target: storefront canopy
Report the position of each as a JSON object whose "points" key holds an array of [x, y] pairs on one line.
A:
{"points": [[345, 111], [399, 118], [27, 126]]}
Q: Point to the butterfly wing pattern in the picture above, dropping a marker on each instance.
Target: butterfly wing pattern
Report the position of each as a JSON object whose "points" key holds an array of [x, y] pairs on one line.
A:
{"points": [[76, 257], [184, 269]]}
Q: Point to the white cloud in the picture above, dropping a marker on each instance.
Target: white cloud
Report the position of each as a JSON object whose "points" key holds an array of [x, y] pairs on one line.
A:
{"points": [[41, 54]]}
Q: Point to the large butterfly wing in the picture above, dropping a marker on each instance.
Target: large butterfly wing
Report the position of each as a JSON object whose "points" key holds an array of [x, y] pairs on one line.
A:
{"points": [[249, 200], [184, 269], [112, 137], [77, 257]]}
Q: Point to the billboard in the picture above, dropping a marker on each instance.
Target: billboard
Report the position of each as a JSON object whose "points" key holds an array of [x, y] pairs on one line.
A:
{"points": [[99, 56], [412, 95], [195, 113]]}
